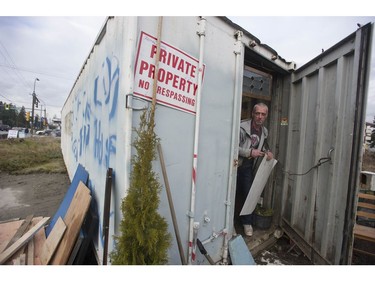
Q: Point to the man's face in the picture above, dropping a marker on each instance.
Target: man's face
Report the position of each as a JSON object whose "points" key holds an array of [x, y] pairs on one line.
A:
{"points": [[259, 115]]}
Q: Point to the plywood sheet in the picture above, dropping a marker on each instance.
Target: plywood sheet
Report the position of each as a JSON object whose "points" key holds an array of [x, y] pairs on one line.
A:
{"points": [[52, 241], [80, 175], [73, 219], [7, 231]]}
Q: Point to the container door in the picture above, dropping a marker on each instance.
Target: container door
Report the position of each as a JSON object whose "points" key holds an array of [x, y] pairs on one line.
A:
{"points": [[327, 105]]}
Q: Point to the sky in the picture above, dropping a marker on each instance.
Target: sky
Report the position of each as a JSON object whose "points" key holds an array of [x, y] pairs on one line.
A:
{"points": [[53, 47]]}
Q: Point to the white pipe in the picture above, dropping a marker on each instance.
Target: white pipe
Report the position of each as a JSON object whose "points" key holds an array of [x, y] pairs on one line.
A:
{"points": [[129, 54], [201, 33], [234, 152]]}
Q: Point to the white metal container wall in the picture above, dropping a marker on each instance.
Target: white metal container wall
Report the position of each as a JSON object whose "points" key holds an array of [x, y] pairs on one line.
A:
{"points": [[176, 131], [94, 119], [94, 133], [325, 100]]}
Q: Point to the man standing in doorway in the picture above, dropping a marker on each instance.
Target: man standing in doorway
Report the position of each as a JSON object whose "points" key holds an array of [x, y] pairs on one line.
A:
{"points": [[252, 142]]}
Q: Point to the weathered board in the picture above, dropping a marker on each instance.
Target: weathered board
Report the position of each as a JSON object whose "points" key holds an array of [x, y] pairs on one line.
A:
{"points": [[73, 219], [52, 241]]}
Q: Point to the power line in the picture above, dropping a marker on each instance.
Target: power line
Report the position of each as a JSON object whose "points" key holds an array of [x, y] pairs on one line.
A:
{"points": [[35, 72], [9, 60], [6, 98]]}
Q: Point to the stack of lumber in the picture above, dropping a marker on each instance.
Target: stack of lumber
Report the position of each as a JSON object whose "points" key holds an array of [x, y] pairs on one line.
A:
{"points": [[361, 231], [24, 242]]}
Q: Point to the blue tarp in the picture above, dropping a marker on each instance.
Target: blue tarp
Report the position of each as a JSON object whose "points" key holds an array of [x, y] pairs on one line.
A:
{"points": [[80, 175]]}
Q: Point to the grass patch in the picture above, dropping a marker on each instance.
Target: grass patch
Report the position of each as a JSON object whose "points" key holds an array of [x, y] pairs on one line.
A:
{"points": [[31, 155]]}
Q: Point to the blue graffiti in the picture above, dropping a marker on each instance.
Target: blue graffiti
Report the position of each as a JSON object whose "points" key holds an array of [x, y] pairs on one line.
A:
{"points": [[108, 89], [110, 148], [104, 99], [98, 141]]}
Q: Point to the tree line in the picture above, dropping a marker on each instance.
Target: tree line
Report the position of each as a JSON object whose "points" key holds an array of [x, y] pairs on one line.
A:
{"points": [[15, 116]]}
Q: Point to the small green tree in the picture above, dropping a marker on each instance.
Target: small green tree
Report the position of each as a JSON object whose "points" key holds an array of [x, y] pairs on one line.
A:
{"points": [[21, 118], [144, 238]]}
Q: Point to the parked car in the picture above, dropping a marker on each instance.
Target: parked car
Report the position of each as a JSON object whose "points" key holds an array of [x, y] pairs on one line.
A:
{"points": [[4, 127], [56, 133], [40, 132], [45, 132]]}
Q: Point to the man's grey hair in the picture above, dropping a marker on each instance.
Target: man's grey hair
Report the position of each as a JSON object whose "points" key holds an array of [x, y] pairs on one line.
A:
{"points": [[260, 105]]}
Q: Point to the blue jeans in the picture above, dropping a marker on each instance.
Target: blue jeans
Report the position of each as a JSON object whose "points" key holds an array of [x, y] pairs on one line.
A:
{"points": [[245, 177]]}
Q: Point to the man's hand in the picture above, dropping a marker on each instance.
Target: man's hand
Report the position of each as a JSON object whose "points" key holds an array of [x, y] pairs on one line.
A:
{"points": [[259, 153], [269, 155]]}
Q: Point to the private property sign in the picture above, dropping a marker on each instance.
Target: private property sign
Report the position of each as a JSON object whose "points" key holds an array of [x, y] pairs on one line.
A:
{"points": [[177, 79]]}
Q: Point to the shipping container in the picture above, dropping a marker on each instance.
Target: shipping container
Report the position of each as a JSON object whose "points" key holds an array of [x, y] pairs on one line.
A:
{"points": [[210, 74]]}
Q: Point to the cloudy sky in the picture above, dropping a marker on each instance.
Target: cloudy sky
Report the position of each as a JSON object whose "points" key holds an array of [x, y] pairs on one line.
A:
{"points": [[53, 49]]}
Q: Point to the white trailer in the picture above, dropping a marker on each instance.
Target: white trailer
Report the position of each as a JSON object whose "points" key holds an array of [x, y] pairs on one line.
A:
{"points": [[211, 72]]}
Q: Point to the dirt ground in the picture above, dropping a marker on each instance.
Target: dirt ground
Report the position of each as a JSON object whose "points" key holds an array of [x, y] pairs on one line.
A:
{"points": [[37, 194]]}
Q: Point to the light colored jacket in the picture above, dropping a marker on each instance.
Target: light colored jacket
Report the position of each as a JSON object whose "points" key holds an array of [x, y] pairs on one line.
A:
{"points": [[245, 142]]}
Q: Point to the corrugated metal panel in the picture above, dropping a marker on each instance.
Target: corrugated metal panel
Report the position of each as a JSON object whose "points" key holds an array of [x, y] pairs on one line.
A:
{"points": [[326, 116]]}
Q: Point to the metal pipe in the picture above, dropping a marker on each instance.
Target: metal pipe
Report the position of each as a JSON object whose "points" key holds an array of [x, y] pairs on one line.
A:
{"points": [[32, 110], [129, 54], [234, 152], [201, 33]]}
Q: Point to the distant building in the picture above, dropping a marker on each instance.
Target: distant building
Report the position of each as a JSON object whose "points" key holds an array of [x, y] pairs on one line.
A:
{"points": [[56, 122], [370, 127]]}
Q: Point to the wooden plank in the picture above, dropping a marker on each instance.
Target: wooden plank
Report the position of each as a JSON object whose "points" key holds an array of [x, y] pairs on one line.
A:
{"points": [[366, 205], [73, 219], [88, 231], [23, 259], [30, 252], [364, 232], [22, 241], [10, 220], [366, 196], [366, 215], [20, 231], [39, 240], [363, 252], [76, 248], [7, 231], [52, 241]]}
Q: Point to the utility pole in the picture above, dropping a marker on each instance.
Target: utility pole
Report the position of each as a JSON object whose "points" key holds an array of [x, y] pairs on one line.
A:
{"points": [[35, 101]]}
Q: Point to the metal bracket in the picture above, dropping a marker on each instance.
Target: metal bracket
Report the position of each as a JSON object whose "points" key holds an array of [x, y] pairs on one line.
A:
{"points": [[131, 101]]}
